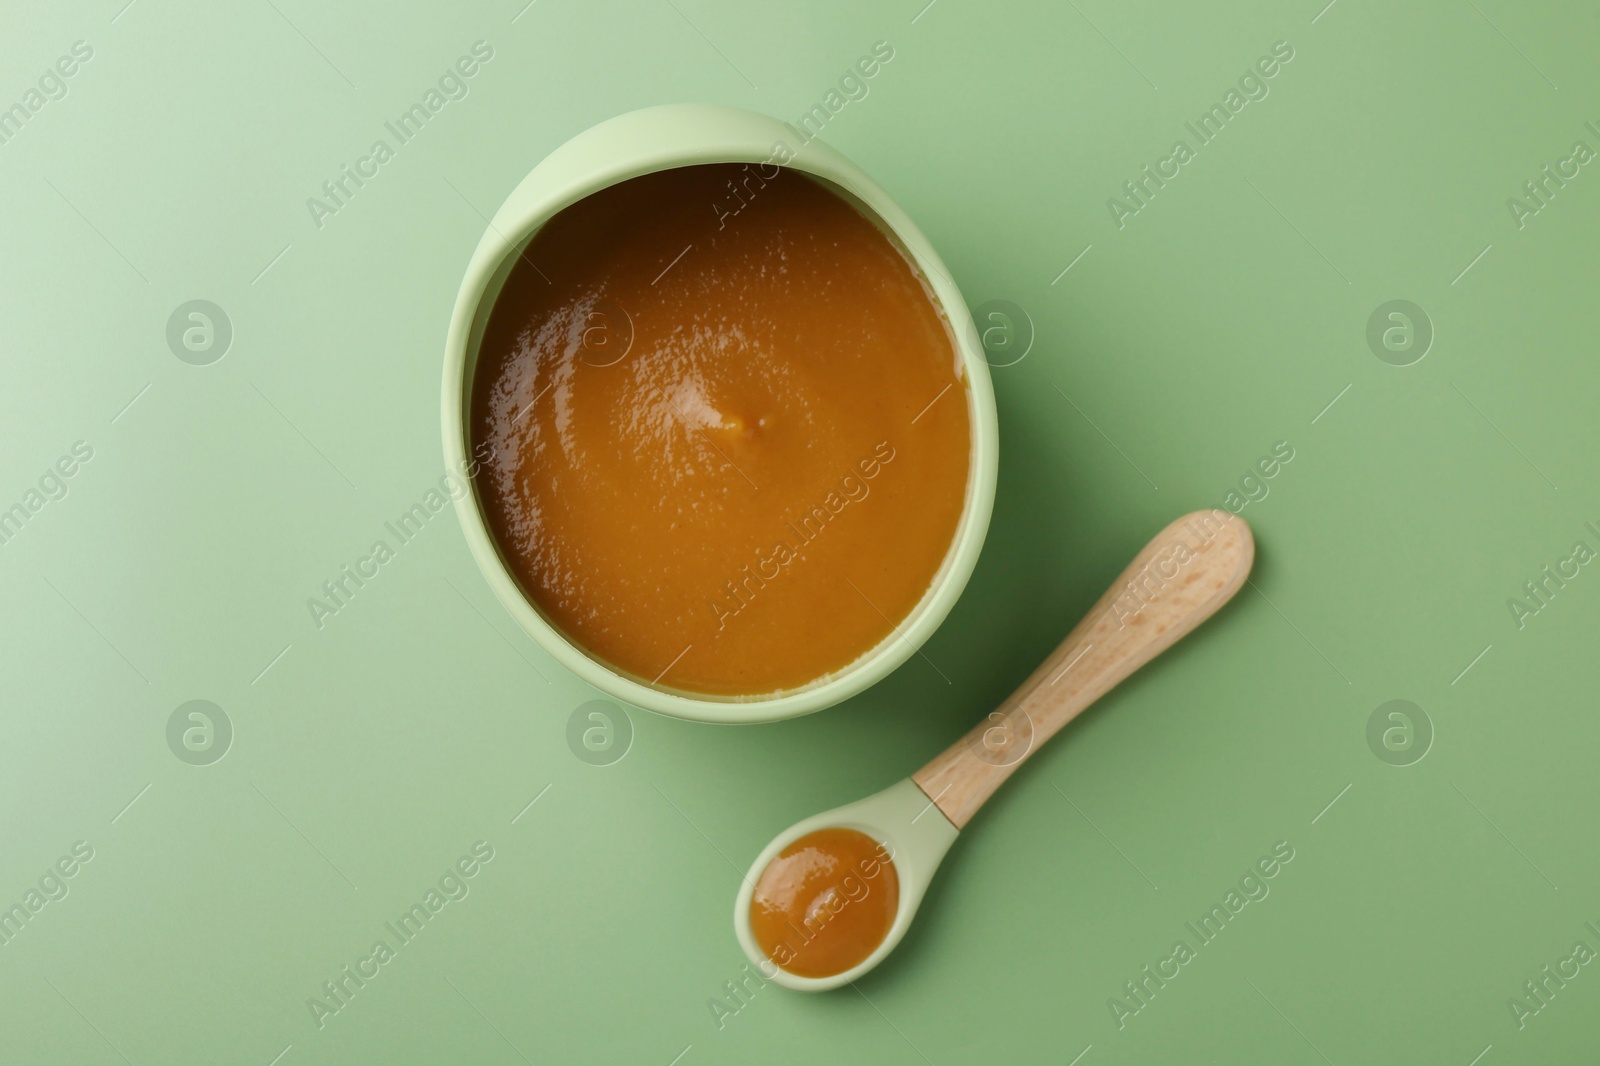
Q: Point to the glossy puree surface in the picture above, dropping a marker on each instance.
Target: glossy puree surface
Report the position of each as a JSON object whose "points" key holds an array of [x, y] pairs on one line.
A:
{"points": [[825, 903], [726, 429]]}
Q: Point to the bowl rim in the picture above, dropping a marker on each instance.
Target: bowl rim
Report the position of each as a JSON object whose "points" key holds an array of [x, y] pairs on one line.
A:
{"points": [[663, 138]]}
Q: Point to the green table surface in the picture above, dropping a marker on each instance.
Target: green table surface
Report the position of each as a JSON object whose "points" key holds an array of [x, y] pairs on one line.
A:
{"points": [[1189, 337]]}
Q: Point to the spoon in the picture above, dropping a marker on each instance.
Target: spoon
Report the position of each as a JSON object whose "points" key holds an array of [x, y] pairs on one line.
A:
{"points": [[1180, 579]]}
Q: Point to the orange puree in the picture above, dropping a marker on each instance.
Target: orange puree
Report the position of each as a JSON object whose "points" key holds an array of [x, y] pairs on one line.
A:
{"points": [[729, 433], [825, 903]]}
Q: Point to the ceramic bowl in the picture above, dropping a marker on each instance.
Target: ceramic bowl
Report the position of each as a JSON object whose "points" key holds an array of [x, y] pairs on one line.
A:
{"points": [[662, 138]]}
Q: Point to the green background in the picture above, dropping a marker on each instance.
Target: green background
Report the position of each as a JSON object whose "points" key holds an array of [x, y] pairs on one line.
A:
{"points": [[1224, 317]]}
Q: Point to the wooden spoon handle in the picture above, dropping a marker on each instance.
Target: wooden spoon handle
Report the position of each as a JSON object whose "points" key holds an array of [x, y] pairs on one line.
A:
{"points": [[1190, 569]]}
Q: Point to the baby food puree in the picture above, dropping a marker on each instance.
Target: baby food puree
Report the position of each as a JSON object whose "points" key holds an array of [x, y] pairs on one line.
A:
{"points": [[728, 429], [825, 903]]}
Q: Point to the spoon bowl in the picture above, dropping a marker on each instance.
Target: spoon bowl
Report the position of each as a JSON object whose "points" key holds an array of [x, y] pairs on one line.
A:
{"points": [[1183, 576], [916, 834]]}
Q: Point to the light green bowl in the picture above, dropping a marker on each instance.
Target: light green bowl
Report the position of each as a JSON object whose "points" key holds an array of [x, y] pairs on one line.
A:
{"points": [[661, 138]]}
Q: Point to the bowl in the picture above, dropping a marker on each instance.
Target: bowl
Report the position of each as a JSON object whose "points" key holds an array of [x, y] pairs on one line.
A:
{"points": [[663, 138]]}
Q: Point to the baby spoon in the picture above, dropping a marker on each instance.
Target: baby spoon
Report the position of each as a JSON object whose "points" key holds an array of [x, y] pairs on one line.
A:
{"points": [[1180, 579]]}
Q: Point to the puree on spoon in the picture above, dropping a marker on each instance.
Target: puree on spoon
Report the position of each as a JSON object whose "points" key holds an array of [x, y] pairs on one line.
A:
{"points": [[825, 902], [728, 429]]}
